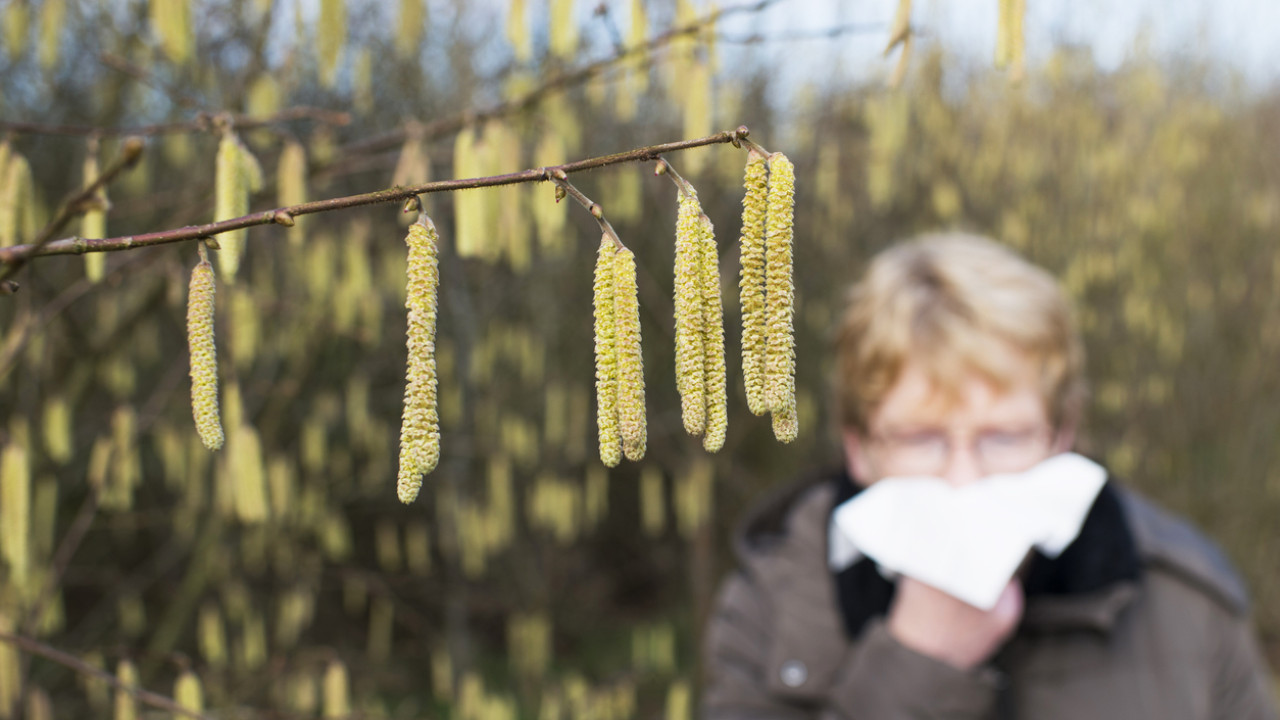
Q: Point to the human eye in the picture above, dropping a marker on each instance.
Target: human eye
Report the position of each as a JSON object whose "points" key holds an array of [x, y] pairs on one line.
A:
{"points": [[919, 439]]}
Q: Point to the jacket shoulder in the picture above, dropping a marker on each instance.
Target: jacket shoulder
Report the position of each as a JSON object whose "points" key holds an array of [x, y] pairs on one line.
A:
{"points": [[794, 514], [1171, 544]]}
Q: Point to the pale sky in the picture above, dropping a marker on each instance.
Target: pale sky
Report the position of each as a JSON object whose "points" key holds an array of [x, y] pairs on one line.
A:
{"points": [[1243, 34]]}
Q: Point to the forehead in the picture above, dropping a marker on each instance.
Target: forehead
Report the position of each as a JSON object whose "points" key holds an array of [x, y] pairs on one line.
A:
{"points": [[918, 398]]}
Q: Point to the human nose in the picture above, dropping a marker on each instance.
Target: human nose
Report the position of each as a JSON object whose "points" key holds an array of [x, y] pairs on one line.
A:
{"points": [[963, 467]]}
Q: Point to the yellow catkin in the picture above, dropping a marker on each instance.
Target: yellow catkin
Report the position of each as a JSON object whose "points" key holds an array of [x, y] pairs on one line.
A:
{"points": [[689, 317], [786, 424], [780, 354], [126, 707], [187, 692], [57, 429], [751, 281], [901, 28], [94, 223], [331, 37], [410, 28], [420, 423], [653, 506], [608, 431], [1003, 32], [714, 375], [250, 485], [10, 667], [563, 40], [362, 81], [17, 24], [17, 188], [697, 111], [468, 206], [15, 510], [231, 199], [292, 179], [204, 356], [678, 701], [172, 22], [1017, 39], [518, 31], [900, 69], [52, 21], [337, 703], [626, 316]]}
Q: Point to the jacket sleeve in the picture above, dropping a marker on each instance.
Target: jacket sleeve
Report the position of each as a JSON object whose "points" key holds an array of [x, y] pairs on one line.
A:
{"points": [[879, 678], [1242, 685]]}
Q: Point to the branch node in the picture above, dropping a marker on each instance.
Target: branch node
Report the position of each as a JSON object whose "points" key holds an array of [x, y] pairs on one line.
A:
{"points": [[412, 204], [281, 217], [131, 150]]}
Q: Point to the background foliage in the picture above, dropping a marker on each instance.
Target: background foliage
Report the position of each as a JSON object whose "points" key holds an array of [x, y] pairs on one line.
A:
{"points": [[527, 578]]}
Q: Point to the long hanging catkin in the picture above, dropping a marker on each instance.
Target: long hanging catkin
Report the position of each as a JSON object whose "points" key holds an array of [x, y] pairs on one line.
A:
{"points": [[780, 353], [751, 282], [630, 370], [606, 355], [204, 355], [231, 200], [690, 370], [420, 423], [715, 392]]}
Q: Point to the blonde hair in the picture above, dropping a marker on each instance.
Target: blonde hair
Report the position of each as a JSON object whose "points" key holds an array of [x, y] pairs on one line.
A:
{"points": [[956, 304]]}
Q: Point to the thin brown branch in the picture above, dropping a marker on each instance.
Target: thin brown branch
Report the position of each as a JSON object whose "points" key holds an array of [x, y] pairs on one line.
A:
{"points": [[144, 76], [449, 125], [202, 122], [562, 181], [77, 203], [682, 185], [830, 33], [77, 246], [156, 700]]}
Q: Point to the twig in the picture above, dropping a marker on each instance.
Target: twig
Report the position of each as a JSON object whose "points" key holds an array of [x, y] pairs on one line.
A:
{"points": [[35, 647], [146, 77], [445, 126], [202, 122], [561, 180], [77, 246], [76, 204], [830, 33], [665, 168]]}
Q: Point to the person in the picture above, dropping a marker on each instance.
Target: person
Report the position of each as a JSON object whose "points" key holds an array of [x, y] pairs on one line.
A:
{"points": [[956, 358]]}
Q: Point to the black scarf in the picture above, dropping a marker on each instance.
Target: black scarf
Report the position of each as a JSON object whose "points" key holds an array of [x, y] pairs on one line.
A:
{"points": [[1103, 553]]}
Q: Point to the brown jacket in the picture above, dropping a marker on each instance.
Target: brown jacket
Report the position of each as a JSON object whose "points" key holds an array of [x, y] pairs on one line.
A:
{"points": [[1174, 645]]}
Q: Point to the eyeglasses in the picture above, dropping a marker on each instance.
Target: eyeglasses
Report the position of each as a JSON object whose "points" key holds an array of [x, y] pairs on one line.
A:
{"points": [[928, 452]]}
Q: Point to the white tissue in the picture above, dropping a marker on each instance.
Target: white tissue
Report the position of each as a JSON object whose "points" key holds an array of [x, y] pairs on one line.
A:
{"points": [[966, 541]]}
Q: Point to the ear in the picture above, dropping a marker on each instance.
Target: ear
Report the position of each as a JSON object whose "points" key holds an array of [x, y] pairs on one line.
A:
{"points": [[856, 460]]}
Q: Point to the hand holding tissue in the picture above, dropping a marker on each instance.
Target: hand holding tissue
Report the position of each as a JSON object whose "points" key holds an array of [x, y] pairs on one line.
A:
{"points": [[966, 541]]}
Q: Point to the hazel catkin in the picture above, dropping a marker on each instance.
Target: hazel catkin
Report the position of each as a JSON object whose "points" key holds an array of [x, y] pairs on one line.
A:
{"points": [[608, 432], [420, 423], [231, 200], [630, 365], [780, 354], [752, 281], [204, 356], [715, 392], [690, 370]]}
